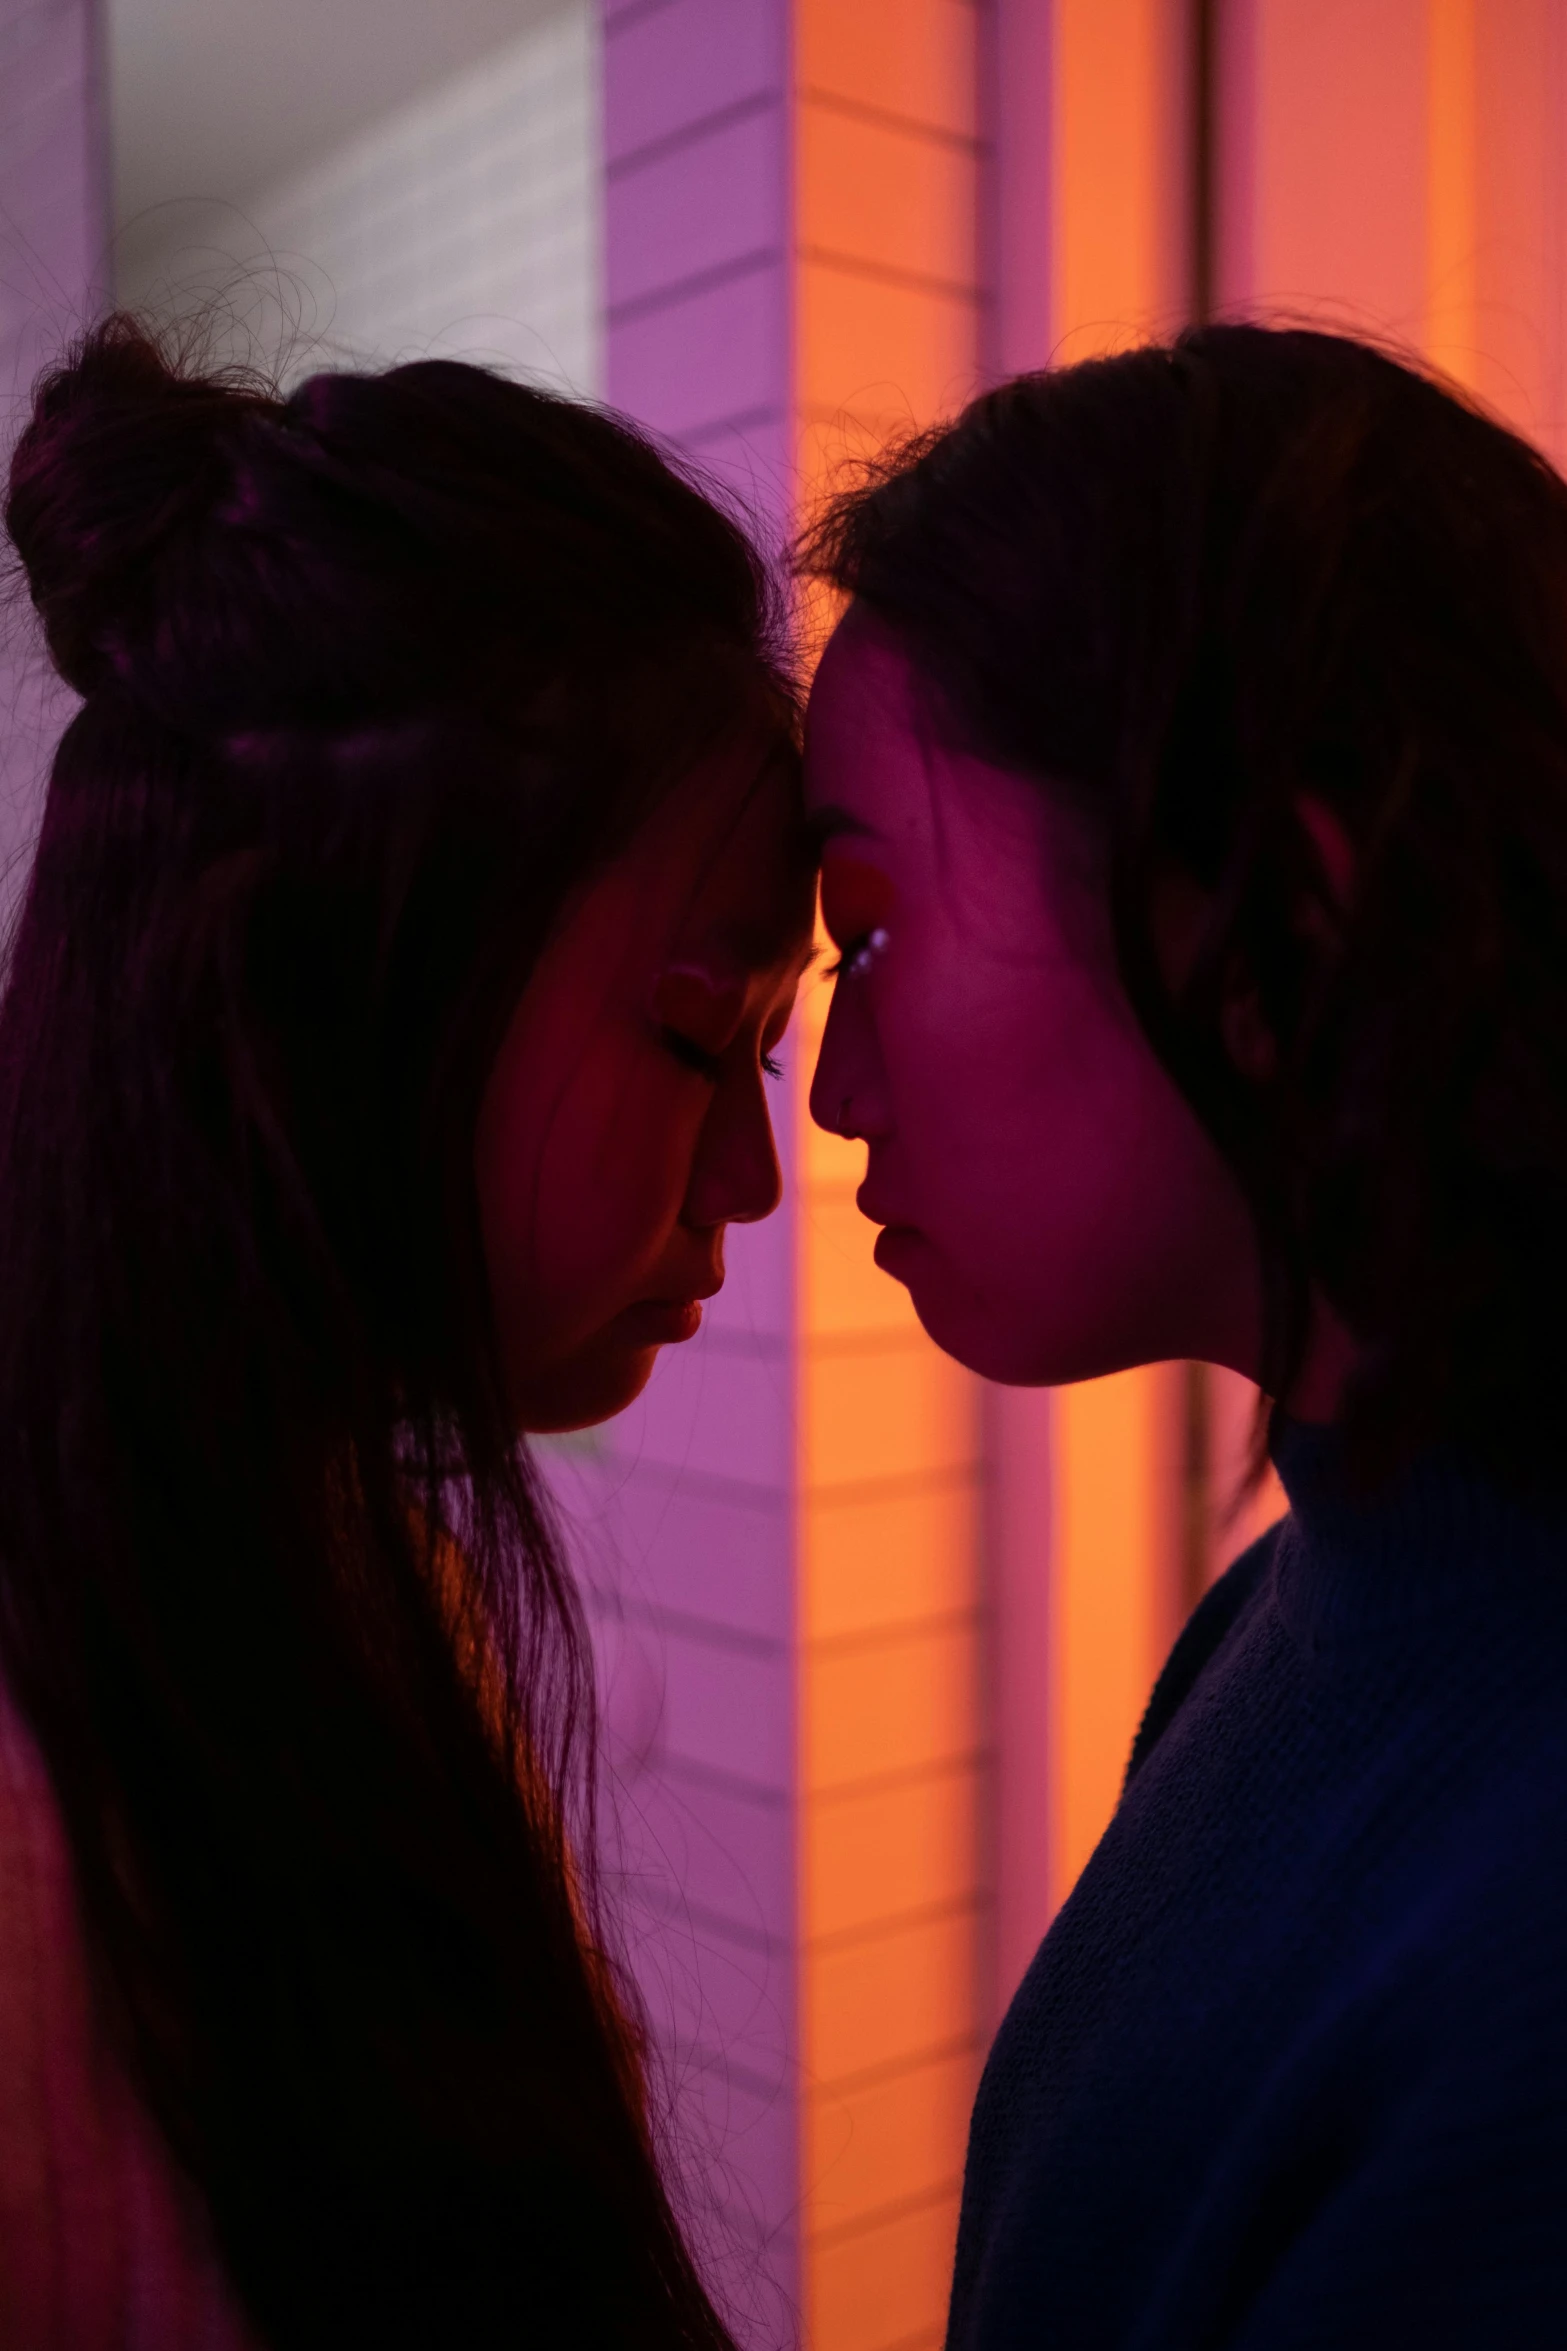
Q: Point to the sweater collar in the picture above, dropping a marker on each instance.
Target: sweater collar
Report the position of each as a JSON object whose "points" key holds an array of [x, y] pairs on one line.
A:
{"points": [[1440, 1543]]}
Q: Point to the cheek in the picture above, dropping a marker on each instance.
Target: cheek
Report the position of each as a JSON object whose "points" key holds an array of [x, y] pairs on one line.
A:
{"points": [[1078, 1215], [580, 1179], [973, 1061], [1033, 1114]]}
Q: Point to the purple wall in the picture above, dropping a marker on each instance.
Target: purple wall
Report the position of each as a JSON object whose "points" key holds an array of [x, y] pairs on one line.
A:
{"points": [[697, 233], [53, 221], [691, 1510]]}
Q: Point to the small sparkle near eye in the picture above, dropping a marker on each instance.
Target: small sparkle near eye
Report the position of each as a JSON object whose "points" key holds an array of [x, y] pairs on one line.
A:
{"points": [[859, 955]]}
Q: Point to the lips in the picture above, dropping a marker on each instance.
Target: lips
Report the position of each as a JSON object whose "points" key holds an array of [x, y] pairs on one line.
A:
{"points": [[692, 1297], [662, 1322], [893, 1244], [878, 1211], [897, 1238]]}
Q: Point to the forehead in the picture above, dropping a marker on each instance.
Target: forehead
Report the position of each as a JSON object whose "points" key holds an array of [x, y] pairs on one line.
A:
{"points": [[874, 765], [877, 759], [725, 868], [863, 699], [886, 782]]}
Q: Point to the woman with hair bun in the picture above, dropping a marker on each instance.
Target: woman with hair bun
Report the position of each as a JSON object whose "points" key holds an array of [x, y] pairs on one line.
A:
{"points": [[1191, 765], [420, 896]]}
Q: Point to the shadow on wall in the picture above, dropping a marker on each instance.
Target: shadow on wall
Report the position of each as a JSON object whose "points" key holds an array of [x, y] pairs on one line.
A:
{"points": [[304, 186], [375, 181], [51, 272]]}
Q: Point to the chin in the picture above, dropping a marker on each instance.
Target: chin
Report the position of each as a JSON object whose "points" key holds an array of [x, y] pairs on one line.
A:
{"points": [[986, 1326], [958, 1323], [580, 1396], [979, 1346]]}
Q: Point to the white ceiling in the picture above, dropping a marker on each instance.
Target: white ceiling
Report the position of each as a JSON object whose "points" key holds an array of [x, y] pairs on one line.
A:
{"points": [[216, 99]]}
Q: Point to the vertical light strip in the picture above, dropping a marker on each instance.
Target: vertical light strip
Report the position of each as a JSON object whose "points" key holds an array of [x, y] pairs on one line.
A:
{"points": [[1514, 184], [893, 1901], [1119, 106], [1115, 1576], [1323, 167], [54, 240], [699, 1492], [1121, 173], [1452, 191]]}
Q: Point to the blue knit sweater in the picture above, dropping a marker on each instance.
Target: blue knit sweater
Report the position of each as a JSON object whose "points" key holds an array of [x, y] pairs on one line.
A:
{"points": [[1290, 2068]]}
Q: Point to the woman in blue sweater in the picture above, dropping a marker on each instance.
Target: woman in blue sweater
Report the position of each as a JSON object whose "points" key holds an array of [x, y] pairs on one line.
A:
{"points": [[1191, 770]]}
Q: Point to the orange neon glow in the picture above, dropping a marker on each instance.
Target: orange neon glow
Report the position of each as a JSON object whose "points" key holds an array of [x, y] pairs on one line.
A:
{"points": [[1519, 229], [1119, 98], [1451, 323], [1397, 169], [1118, 211], [1112, 1593], [1323, 187], [893, 2003]]}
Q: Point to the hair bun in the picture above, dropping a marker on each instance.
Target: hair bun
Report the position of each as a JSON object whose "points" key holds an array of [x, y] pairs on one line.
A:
{"points": [[121, 450]]}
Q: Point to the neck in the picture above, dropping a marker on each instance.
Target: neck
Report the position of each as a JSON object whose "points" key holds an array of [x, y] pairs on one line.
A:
{"points": [[1316, 1395], [1440, 1538]]}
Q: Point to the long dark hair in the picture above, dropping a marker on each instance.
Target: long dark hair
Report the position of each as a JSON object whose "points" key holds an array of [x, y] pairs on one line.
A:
{"points": [[1188, 586], [373, 676]]}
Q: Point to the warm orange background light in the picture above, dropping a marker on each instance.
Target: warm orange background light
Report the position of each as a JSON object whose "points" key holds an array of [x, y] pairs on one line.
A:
{"points": [[1395, 167], [894, 1989]]}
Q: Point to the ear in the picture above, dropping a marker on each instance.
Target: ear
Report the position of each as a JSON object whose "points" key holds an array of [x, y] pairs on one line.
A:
{"points": [[1335, 851], [1246, 1036], [1180, 911]]}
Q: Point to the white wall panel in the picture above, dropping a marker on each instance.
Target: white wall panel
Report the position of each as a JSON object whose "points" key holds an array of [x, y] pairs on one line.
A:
{"points": [[463, 224]]}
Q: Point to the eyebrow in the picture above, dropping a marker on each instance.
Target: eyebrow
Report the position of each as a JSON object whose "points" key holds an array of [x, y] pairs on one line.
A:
{"points": [[830, 823]]}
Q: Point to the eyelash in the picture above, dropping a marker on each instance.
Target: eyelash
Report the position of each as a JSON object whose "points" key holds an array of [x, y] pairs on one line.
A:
{"points": [[848, 958], [708, 1065]]}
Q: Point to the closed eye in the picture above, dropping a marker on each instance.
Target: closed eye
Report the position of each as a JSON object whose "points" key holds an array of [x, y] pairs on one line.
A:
{"points": [[694, 1056]]}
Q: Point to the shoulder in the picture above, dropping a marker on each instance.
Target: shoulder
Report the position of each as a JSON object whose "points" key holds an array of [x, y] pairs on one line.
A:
{"points": [[1203, 1633], [1436, 2117]]}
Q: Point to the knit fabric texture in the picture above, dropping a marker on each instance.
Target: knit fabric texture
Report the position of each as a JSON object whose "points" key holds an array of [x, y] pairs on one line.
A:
{"points": [[1290, 2068]]}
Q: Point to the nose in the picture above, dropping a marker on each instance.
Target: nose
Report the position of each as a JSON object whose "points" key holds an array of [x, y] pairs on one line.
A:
{"points": [[735, 1178], [761, 1182], [847, 1087]]}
